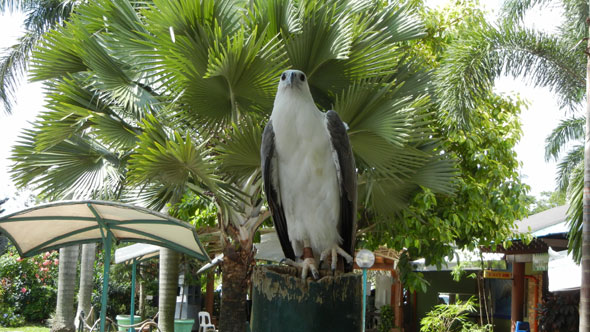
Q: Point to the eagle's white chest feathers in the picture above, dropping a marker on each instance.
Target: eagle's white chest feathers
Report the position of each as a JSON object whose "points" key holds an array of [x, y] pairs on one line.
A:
{"points": [[308, 181]]}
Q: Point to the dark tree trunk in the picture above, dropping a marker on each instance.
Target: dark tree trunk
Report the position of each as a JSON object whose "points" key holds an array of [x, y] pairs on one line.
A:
{"points": [[237, 267]]}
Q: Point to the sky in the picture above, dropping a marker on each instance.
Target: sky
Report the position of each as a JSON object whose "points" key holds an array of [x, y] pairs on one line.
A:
{"points": [[538, 120], [29, 103]]}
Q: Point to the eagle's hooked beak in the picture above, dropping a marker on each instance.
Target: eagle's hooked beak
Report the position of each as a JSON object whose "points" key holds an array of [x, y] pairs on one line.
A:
{"points": [[290, 78]]}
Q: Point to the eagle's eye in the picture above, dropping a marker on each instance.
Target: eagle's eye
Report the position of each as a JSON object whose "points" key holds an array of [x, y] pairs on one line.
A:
{"points": [[302, 77], [283, 77]]}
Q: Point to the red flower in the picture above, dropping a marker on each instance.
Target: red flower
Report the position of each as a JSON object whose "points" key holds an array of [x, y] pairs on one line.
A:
{"points": [[23, 290], [46, 262], [56, 261]]}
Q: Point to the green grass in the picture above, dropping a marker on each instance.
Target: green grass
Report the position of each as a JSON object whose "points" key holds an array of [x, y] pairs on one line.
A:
{"points": [[30, 328]]}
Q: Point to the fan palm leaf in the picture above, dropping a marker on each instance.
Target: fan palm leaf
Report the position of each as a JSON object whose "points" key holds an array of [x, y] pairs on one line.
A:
{"points": [[77, 167]]}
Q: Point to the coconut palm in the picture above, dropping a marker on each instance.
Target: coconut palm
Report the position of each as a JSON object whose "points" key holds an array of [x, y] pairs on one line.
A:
{"points": [[557, 61], [172, 97]]}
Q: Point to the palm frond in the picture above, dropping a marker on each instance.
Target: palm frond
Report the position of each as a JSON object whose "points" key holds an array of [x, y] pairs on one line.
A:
{"points": [[575, 213], [13, 66], [45, 15], [239, 151], [568, 164], [566, 131], [275, 16], [326, 34], [515, 10], [250, 66], [77, 167], [472, 63], [170, 160], [57, 55]]}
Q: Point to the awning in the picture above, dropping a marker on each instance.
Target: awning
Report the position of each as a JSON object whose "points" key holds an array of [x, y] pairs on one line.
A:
{"points": [[136, 253], [61, 224]]}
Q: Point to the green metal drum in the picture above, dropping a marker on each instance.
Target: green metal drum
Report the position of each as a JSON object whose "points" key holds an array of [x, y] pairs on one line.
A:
{"points": [[282, 301]]}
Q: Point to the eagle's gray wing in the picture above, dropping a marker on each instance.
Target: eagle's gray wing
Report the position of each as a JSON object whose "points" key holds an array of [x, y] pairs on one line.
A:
{"points": [[346, 168], [272, 191]]}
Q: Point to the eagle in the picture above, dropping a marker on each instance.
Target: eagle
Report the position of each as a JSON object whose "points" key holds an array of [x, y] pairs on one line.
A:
{"points": [[309, 177]]}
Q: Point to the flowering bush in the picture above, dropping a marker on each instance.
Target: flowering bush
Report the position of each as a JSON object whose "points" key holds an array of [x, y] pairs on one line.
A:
{"points": [[27, 287]]}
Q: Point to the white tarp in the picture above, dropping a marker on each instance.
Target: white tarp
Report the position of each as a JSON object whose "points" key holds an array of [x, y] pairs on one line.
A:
{"points": [[564, 273]]}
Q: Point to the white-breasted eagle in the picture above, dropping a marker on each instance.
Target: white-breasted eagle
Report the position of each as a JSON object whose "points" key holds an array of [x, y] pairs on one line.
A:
{"points": [[309, 178]]}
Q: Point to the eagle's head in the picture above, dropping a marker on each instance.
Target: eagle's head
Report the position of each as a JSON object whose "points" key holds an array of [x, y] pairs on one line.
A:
{"points": [[294, 80]]}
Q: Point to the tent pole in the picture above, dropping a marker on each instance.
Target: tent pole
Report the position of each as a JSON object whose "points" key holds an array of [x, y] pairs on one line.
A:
{"points": [[132, 314], [105, 280]]}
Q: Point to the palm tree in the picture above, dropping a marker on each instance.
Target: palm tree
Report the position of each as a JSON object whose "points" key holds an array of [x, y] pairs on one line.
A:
{"points": [[570, 177], [42, 15], [64, 314], [174, 99], [556, 61], [87, 257]]}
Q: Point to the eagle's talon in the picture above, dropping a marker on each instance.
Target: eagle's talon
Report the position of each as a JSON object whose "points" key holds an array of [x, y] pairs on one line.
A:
{"points": [[307, 265], [334, 252]]}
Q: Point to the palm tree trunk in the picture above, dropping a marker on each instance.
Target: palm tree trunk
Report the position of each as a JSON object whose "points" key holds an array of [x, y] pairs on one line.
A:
{"points": [[237, 268], [86, 276], [66, 289], [585, 288], [169, 260]]}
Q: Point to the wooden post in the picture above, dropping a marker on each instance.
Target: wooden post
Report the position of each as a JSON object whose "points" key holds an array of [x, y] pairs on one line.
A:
{"points": [[397, 300], [516, 312]]}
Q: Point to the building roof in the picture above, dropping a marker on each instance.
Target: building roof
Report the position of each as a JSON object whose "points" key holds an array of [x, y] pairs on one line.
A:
{"points": [[543, 220]]}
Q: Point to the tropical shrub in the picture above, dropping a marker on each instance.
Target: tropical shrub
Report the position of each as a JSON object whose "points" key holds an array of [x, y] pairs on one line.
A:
{"points": [[559, 313], [27, 286], [386, 321], [452, 318]]}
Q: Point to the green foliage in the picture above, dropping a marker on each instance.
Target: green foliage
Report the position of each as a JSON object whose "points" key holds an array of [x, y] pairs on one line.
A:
{"points": [[452, 318], [489, 194], [549, 200], [197, 210], [26, 287], [386, 318], [559, 313]]}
